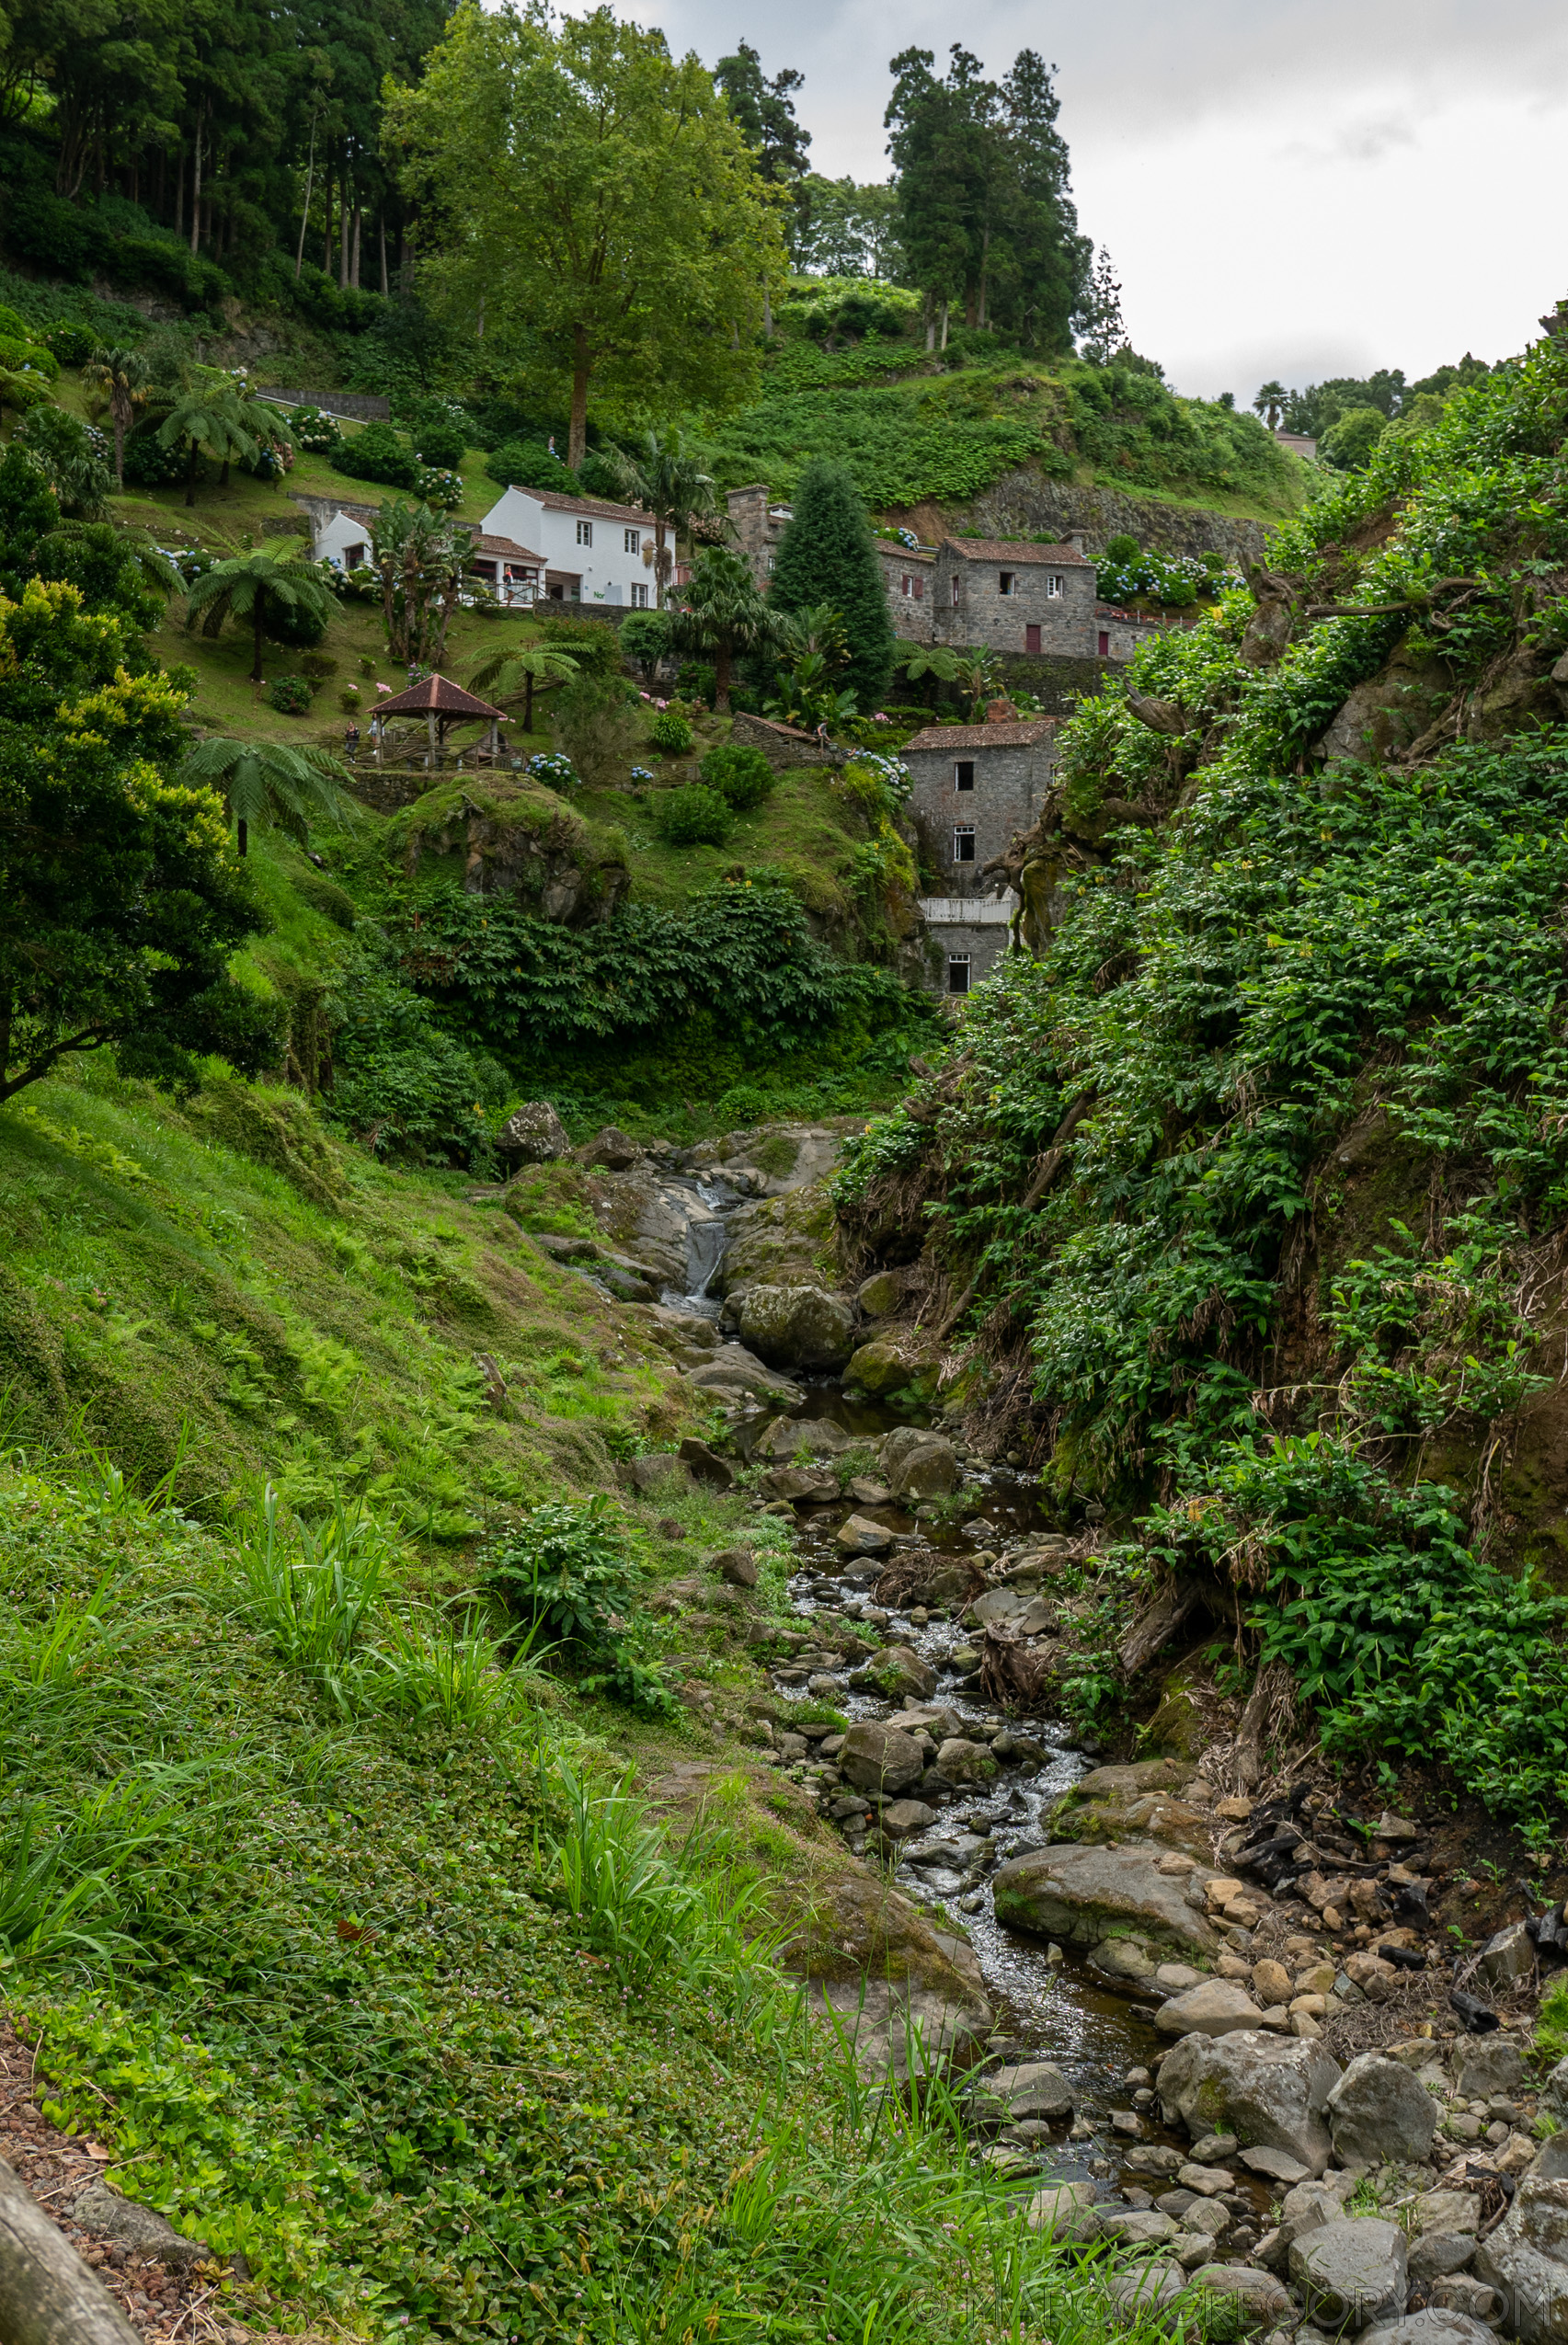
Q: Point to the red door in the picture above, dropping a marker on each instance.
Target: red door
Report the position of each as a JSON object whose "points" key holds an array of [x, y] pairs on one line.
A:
{"points": [[1104, 644], [1031, 639]]}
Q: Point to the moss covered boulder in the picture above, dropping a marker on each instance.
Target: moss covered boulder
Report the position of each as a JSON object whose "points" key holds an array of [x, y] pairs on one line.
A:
{"points": [[805, 1327], [895, 1363], [513, 837]]}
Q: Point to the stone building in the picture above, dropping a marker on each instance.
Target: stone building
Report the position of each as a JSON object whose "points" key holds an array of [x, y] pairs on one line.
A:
{"points": [[908, 574], [1010, 596], [757, 522], [974, 787]]}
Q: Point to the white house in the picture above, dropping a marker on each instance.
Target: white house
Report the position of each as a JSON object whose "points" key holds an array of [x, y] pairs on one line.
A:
{"points": [[593, 552], [344, 541]]}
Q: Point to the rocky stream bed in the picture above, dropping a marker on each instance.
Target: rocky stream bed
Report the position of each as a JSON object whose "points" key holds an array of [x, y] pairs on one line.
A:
{"points": [[1210, 2033]]}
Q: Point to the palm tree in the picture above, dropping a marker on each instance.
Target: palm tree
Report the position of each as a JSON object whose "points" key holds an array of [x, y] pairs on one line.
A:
{"points": [[817, 630], [269, 784], [222, 417], [421, 558], [256, 587], [664, 477], [123, 375], [977, 676], [528, 667], [1270, 404], [722, 611]]}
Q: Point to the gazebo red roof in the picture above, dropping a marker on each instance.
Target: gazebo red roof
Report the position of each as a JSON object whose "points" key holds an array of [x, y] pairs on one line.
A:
{"points": [[436, 695]]}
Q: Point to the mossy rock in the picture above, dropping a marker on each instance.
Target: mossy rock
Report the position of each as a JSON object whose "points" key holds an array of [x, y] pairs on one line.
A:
{"points": [[902, 1365], [513, 837], [1177, 1727], [783, 1240], [272, 1127]]}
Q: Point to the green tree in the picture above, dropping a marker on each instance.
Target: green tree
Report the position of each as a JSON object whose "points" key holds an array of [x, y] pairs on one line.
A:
{"points": [[421, 558], [1270, 404], [120, 374], [845, 229], [207, 418], [530, 669], [270, 785], [263, 586], [602, 199], [764, 107], [119, 901], [1349, 440], [74, 458], [828, 555], [1098, 317], [721, 612], [665, 478]]}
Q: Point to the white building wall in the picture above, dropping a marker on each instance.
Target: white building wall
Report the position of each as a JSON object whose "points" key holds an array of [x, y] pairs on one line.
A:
{"points": [[612, 570]]}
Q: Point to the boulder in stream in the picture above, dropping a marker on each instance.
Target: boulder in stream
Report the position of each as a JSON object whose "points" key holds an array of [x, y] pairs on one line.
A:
{"points": [[734, 1373], [802, 1485], [1266, 2090], [878, 1758], [790, 1439], [899, 1362], [805, 1327], [1084, 1894], [917, 1463]]}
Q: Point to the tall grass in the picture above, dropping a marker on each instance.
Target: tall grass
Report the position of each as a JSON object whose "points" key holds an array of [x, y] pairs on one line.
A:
{"points": [[432, 1670], [311, 1592]]}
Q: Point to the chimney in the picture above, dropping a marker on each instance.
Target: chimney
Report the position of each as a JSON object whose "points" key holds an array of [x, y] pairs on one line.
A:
{"points": [[1075, 540]]}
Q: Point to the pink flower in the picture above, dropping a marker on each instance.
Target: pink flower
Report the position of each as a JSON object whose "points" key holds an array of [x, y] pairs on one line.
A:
{"points": [[386, 689]]}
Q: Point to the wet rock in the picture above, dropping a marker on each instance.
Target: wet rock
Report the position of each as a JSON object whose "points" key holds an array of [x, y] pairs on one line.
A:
{"points": [[735, 1565], [1270, 2091], [1133, 2296], [1084, 1894], [735, 1374], [860, 1536], [1215, 2149], [1274, 2164], [805, 1327], [797, 1438], [1066, 2211], [1032, 2089], [1136, 2227], [1254, 2299], [870, 1494], [896, 1672], [1123, 1958], [1218, 2008], [609, 1150], [1380, 2115], [535, 1135], [1351, 2273], [961, 1763], [1152, 2158], [902, 1819], [917, 1464], [140, 2228], [878, 1758], [1525, 2259], [901, 1362]]}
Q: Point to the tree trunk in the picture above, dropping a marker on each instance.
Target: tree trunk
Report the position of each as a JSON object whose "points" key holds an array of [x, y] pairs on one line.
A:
{"points": [[380, 230], [661, 565], [930, 324], [191, 475], [345, 208], [721, 677], [528, 704], [179, 193], [47, 2294], [242, 829], [943, 342], [119, 411], [258, 618], [223, 475], [577, 441], [196, 197], [304, 213]]}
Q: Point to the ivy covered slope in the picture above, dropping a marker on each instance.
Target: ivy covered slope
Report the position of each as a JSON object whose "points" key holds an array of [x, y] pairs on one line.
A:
{"points": [[1244, 1202], [917, 429]]}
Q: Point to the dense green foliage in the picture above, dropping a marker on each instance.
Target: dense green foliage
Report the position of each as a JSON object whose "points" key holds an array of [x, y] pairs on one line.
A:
{"points": [[694, 815], [742, 775], [1302, 951]]}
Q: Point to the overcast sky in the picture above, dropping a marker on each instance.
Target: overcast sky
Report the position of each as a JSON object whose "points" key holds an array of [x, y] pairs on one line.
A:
{"points": [[1285, 190]]}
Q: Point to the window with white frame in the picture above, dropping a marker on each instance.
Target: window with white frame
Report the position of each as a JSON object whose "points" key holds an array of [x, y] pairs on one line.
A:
{"points": [[639, 598], [957, 973], [964, 843], [907, 586], [1053, 582], [634, 541], [584, 532]]}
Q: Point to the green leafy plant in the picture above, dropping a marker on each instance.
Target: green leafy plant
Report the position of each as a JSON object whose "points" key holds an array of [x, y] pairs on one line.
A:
{"points": [[692, 816], [566, 1574], [742, 775], [291, 696], [671, 733]]}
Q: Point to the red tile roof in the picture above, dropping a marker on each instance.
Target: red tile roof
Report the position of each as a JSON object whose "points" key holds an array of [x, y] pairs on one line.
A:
{"points": [[594, 507], [438, 693], [507, 548], [1022, 734], [1012, 549]]}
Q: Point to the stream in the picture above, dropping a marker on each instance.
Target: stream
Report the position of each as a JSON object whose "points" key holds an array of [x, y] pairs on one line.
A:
{"points": [[1049, 2004]]}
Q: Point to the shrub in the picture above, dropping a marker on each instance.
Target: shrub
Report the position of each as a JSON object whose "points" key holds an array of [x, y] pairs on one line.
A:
{"points": [[645, 639], [19, 354], [147, 464], [742, 775], [698, 680], [316, 432], [555, 771], [670, 732], [290, 695], [565, 1576], [694, 817], [381, 454], [441, 489], [348, 698], [595, 725], [438, 439], [528, 463]]}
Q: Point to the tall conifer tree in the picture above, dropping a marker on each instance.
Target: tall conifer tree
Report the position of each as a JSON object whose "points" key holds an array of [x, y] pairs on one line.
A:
{"points": [[828, 556]]}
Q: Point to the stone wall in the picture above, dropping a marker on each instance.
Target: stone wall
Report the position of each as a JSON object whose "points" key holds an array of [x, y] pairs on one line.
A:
{"points": [[782, 745], [985, 618], [1010, 784], [913, 614], [1021, 502], [357, 405]]}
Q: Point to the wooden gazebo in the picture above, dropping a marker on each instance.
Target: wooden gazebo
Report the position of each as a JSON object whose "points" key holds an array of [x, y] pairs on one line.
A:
{"points": [[441, 703]]}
